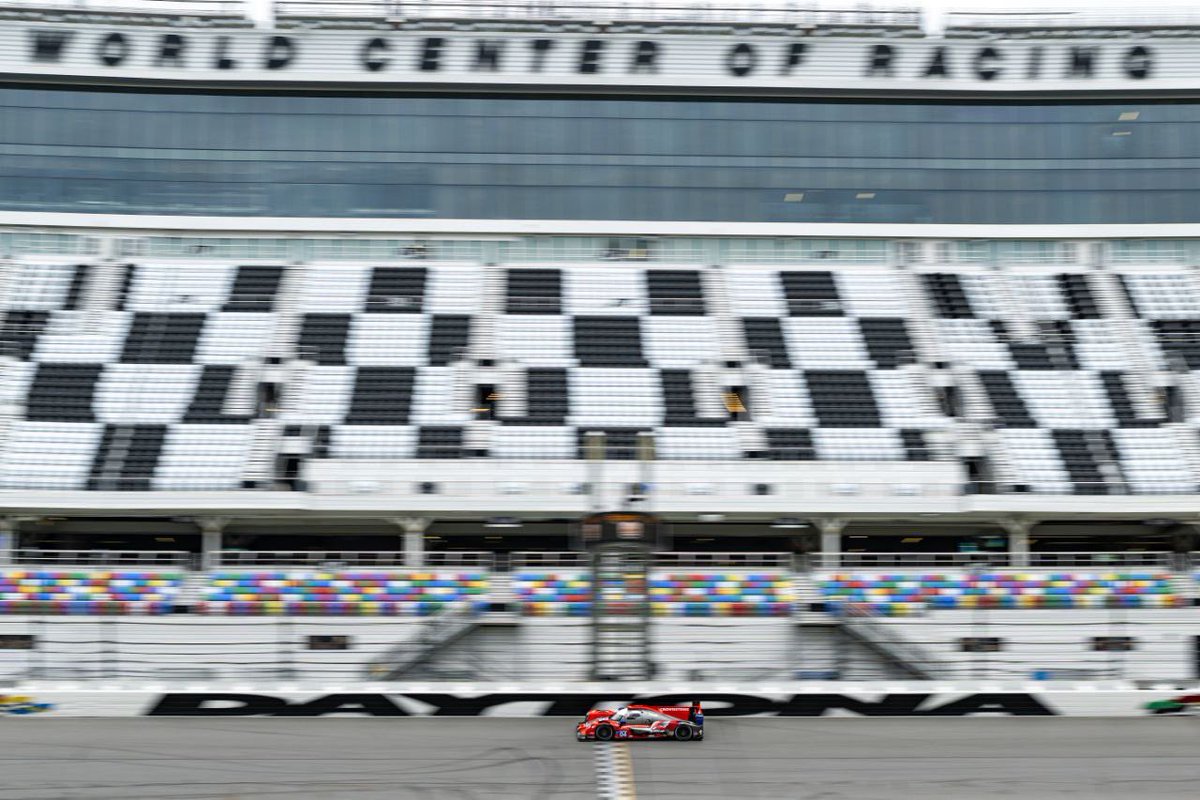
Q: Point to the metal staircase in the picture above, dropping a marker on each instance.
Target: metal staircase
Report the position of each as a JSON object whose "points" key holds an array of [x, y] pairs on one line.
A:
{"points": [[1135, 346], [620, 614], [436, 633]]}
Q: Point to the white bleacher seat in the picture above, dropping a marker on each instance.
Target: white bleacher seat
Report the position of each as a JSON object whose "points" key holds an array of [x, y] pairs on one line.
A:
{"points": [[184, 287], [79, 337], [141, 394], [858, 444], [1097, 345], [755, 293], [983, 294], [15, 377], [1164, 295], [604, 291], [388, 340], [1064, 399], [48, 455], [373, 441], [434, 401], [822, 343], [1149, 462], [1039, 297], [536, 340], [232, 338], [453, 289], [788, 404], [1033, 456], [712, 444], [615, 397], [872, 294], [971, 341], [676, 342], [902, 401], [202, 457], [324, 396], [334, 289], [34, 286], [533, 441]]}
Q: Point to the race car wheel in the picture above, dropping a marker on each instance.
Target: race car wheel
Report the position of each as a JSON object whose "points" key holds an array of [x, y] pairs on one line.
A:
{"points": [[683, 733], [604, 733]]}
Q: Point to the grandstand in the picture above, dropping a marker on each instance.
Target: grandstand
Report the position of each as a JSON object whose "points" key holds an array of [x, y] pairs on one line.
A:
{"points": [[325, 313]]}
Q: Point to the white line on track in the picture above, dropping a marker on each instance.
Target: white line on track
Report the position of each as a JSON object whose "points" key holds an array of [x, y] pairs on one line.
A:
{"points": [[614, 772]]}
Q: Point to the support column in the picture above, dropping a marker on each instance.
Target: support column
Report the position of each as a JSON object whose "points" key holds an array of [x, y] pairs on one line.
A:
{"points": [[414, 539], [8, 540], [831, 541], [1018, 540], [211, 529]]}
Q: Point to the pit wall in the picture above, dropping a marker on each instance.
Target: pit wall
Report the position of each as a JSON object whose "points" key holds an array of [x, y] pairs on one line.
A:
{"points": [[510, 701]]}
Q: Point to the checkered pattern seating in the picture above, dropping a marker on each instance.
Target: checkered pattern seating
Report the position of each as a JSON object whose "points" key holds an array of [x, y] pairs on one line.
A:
{"points": [[900, 594], [305, 592], [671, 594], [87, 592]]}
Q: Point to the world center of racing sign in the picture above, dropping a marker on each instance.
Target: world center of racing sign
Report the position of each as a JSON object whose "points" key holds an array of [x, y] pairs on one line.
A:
{"points": [[625, 62]]}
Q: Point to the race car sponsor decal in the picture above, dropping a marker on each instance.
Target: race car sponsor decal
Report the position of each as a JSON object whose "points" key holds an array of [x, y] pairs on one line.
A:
{"points": [[16, 705], [577, 704], [1180, 704]]}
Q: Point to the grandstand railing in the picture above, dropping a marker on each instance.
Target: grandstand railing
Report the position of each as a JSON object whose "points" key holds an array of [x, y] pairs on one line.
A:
{"points": [[754, 560], [193, 8], [167, 559], [535, 560], [987, 560], [475, 559], [606, 11], [1069, 20], [662, 560]]}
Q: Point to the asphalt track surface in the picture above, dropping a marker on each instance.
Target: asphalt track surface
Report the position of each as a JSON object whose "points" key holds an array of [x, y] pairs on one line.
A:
{"points": [[431, 759]]}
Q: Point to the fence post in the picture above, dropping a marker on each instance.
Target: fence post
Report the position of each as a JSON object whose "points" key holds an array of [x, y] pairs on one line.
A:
{"points": [[285, 639], [110, 644], [38, 657]]}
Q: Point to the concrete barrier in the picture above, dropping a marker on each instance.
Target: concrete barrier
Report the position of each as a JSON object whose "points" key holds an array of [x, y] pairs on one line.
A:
{"points": [[574, 701]]}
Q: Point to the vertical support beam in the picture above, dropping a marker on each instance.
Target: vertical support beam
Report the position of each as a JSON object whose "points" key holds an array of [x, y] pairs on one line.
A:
{"points": [[594, 446], [8, 540], [211, 529], [1018, 540], [414, 539], [831, 541]]}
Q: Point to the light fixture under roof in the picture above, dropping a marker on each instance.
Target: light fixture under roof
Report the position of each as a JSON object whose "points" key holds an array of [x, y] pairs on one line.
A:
{"points": [[502, 522], [1122, 133], [789, 522], [1128, 116], [794, 197], [865, 196]]}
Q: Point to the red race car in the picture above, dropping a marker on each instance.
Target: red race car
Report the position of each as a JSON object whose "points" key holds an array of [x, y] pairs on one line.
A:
{"points": [[681, 723]]}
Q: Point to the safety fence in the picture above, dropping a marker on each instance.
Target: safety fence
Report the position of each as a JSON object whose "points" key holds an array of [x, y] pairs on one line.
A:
{"points": [[1030, 646]]}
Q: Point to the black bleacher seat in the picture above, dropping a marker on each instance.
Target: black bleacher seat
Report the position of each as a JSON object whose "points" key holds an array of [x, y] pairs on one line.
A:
{"points": [[842, 398], [162, 338], [608, 341], [790, 444], [382, 396], [254, 289], [764, 340], [675, 292], [811, 294], [396, 290], [533, 291], [323, 338]]}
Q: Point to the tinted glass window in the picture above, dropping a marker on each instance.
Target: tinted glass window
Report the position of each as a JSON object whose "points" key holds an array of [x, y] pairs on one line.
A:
{"points": [[500, 157]]}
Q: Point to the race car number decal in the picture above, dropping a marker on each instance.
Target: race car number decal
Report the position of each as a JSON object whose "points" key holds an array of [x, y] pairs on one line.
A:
{"points": [[622, 734]]}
